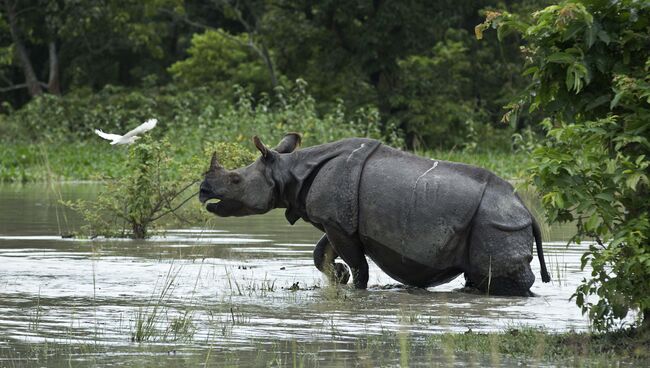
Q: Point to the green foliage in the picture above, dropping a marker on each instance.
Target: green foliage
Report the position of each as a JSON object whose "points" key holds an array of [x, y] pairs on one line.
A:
{"points": [[412, 63], [221, 60], [292, 110], [231, 155], [430, 97], [590, 63], [189, 119], [413, 60], [191, 116], [565, 349], [146, 192], [587, 176], [116, 109]]}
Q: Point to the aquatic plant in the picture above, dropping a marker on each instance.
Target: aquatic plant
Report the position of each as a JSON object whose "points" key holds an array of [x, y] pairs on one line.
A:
{"points": [[148, 317]]}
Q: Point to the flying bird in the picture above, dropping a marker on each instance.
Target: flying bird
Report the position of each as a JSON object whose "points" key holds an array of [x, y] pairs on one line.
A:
{"points": [[129, 137]]}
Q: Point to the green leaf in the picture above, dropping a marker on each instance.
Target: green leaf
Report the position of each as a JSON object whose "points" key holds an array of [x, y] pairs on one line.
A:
{"points": [[605, 196], [570, 79], [633, 180], [561, 58], [597, 102], [531, 70], [603, 36], [593, 222], [590, 36], [617, 98]]}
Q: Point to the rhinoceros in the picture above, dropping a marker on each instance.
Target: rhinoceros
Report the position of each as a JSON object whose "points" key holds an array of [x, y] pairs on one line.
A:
{"points": [[422, 221]]}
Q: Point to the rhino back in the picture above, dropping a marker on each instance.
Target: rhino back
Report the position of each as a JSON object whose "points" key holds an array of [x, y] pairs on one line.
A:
{"points": [[419, 209], [332, 197]]}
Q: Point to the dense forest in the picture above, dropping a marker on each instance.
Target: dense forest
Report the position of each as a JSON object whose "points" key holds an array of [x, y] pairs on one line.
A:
{"points": [[416, 64]]}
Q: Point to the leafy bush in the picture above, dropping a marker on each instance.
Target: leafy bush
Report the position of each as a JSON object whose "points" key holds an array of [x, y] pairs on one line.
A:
{"points": [[590, 67], [150, 189], [221, 60], [75, 116], [190, 116], [292, 110], [430, 96]]}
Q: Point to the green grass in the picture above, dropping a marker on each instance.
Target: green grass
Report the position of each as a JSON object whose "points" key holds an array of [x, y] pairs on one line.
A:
{"points": [[553, 347], [30, 162], [506, 164], [90, 160]]}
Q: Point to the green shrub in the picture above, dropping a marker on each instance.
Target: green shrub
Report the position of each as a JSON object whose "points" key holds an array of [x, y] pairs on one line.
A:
{"points": [[221, 60], [189, 116], [590, 67], [151, 188], [430, 101], [52, 119]]}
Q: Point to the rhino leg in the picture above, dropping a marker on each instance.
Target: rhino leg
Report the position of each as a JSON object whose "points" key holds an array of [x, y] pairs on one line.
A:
{"points": [[351, 251], [516, 283], [324, 256], [500, 261]]}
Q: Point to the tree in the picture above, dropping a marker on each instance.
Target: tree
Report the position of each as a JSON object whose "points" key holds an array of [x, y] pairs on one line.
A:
{"points": [[372, 52], [589, 63], [220, 60], [11, 14], [239, 22], [60, 44]]}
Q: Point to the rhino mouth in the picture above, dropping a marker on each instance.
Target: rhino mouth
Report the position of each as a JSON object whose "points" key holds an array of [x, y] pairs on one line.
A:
{"points": [[221, 206], [224, 207]]}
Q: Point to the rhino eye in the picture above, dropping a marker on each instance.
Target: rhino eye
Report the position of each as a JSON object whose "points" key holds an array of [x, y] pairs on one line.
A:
{"points": [[235, 178]]}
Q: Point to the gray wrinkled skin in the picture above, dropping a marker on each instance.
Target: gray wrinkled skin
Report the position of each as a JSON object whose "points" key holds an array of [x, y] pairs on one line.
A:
{"points": [[422, 221]]}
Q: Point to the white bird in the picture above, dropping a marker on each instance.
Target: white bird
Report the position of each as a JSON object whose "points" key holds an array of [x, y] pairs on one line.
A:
{"points": [[129, 137]]}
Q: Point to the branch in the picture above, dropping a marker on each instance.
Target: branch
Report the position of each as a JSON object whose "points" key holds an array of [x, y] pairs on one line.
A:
{"points": [[177, 207], [21, 86], [18, 13], [203, 26], [14, 87]]}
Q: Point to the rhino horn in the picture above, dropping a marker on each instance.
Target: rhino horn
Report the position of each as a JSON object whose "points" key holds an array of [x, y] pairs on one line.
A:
{"points": [[214, 162]]}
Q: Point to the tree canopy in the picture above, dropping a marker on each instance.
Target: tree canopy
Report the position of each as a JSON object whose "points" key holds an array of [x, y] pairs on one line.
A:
{"points": [[414, 61]]}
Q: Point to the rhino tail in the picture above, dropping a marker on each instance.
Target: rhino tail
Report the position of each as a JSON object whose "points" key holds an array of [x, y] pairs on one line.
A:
{"points": [[537, 233]]}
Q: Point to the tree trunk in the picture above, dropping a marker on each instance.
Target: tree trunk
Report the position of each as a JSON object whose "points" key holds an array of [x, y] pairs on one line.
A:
{"points": [[269, 65], [33, 85], [139, 231], [54, 83]]}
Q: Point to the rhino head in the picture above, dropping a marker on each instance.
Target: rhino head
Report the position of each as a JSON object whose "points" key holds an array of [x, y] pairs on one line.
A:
{"points": [[248, 190]]}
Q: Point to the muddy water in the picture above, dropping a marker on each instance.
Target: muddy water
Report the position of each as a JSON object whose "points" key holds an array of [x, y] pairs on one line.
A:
{"points": [[238, 292]]}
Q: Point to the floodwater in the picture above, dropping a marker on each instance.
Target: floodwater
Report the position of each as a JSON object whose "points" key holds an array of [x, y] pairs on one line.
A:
{"points": [[240, 291]]}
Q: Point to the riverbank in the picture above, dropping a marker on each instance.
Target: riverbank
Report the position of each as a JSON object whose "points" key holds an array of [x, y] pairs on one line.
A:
{"points": [[568, 348], [94, 159]]}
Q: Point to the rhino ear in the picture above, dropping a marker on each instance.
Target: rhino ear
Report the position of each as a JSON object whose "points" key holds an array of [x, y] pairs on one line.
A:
{"points": [[289, 143], [261, 147]]}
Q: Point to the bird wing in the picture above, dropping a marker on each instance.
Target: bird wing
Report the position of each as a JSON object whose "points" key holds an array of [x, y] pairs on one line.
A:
{"points": [[109, 136], [147, 125]]}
